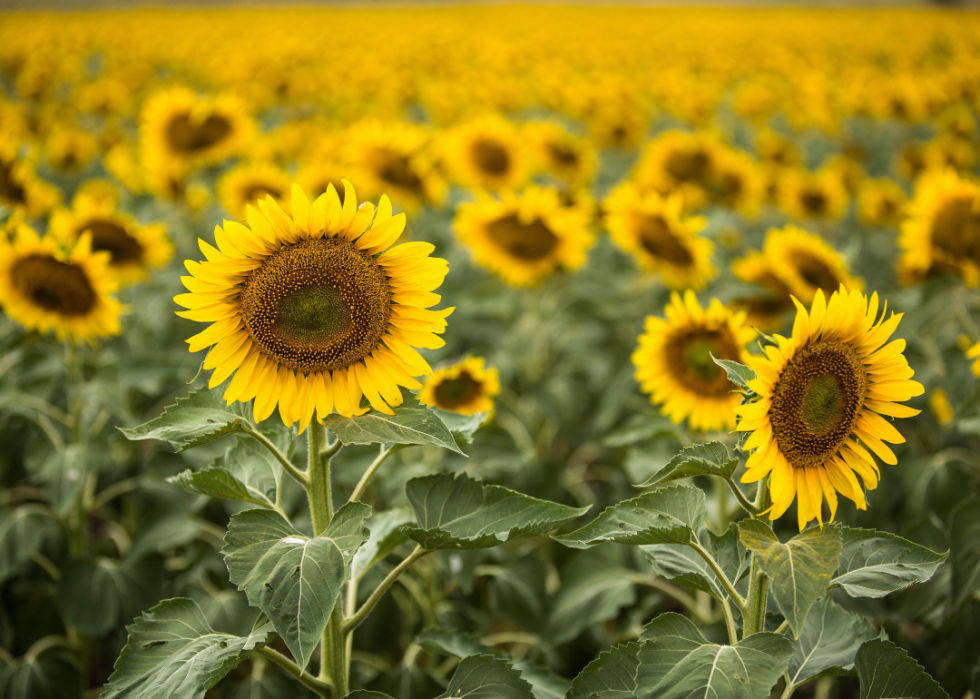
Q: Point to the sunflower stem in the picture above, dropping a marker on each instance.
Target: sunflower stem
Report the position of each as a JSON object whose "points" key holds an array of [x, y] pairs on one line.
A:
{"points": [[746, 504], [286, 464], [725, 582], [379, 592], [754, 620], [318, 478], [386, 451], [726, 611]]}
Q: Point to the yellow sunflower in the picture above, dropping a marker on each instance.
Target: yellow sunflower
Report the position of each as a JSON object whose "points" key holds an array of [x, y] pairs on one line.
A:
{"points": [[133, 247], [486, 154], [881, 202], [466, 387], [974, 353], [822, 393], [315, 310], [765, 311], [561, 154], [20, 188], [248, 183], [674, 361], [652, 229], [45, 288], [942, 231], [318, 176], [807, 195], [678, 162], [525, 238], [804, 263]]}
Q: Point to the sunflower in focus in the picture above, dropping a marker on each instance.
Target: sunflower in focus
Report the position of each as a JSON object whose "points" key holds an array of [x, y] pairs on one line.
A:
{"points": [[881, 202], [942, 231], [248, 183], [45, 288], [804, 263], [674, 361], [559, 153], [466, 387], [315, 310], [525, 238], [822, 394], [653, 229], [486, 154], [807, 195], [133, 248]]}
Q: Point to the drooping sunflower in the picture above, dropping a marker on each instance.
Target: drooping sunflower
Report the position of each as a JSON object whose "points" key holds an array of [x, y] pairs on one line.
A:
{"points": [[822, 394], [674, 361], [881, 202], [248, 183], [806, 195], [805, 263], [486, 154], [525, 238], [315, 310], [653, 229], [942, 231], [466, 387], [46, 288], [133, 247]]}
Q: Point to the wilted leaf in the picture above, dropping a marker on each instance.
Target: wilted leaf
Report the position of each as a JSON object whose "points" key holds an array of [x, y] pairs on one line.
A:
{"points": [[830, 639], [246, 472], [710, 459], [199, 418], [887, 672], [874, 564]]}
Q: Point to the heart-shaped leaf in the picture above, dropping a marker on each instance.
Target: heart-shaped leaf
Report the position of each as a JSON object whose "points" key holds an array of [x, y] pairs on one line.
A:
{"points": [[874, 564], [887, 672], [22, 532]]}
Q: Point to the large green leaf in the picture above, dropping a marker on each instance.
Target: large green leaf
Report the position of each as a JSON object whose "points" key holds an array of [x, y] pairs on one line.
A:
{"points": [[459, 512], [710, 459], [22, 532], [93, 595], [199, 418], [682, 565], [799, 570], [412, 423], [64, 473], [676, 661], [874, 564], [49, 674], [610, 676], [173, 653], [887, 672], [668, 516], [964, 528], [246, 472], [592, 595], [291, 577], [462, 427], [830, 639], [487, 677]]}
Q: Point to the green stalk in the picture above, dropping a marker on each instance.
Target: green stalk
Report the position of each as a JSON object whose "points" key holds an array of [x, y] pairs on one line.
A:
{"points": [[754, 620]]}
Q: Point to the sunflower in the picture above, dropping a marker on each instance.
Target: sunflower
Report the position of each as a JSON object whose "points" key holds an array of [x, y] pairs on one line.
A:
{"points": [[881, 202], [45, 288], [133, 248], [776, 150], [525, 238], [974, 353], [804, 263], [486, 154], [313, 311], [96, 190], [20, 188], [735, 182], [652, 229], [319, 175], [674, 361], [822, 393], [807, 195], [248, 183], [466, 387], [559, 153], [678, 162], [765, 311], [942, 231]]}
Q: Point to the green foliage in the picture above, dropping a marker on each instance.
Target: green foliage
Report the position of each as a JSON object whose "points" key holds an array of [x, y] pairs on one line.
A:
{"points": [[738, 374], [22, 532], [199, 418], [45, 672], [95, 595], [887, 672], [965, 530], [874, 564], [682, 565], [710, 459]]}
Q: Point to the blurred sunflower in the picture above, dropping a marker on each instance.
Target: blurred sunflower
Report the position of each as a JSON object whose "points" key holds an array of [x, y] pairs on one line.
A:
{"points": [[776, 150], [133, 248], [318, 176], [804, 263], [881, 202], [248, 183], [525, 238], [96, 190], [486, 154], [674, 361], [822, 393], [466, 387], [313, 311], [942, 231], [764, 311], [20, 188], [807, 195], [652, 229], [678, 162], [561, 154], [45, 288], [735, 182], [974, 353], [69, 148]]}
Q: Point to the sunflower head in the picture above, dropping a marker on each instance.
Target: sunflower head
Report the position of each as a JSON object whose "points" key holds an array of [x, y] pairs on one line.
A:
{"points": [[559, 153], [248, 183], [804, 195], [315, 310], [766, 310], [466, 387], [804, 263], [881, 202], [675, 361], [46, 288], [487, 154], [822, 393]]}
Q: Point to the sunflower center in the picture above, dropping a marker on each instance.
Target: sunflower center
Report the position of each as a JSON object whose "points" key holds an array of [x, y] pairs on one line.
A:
{"points": [[526, 241], [491, 157], [689, 359], [817, 402], [110, 236], [187, 137], [259, 191], [956, 228], [53, 285], [563, 155], [815, 271], [317, 305], [813, 201], [397, 170], [659, 240], [454, 393], [688, 166], [9, 188]]}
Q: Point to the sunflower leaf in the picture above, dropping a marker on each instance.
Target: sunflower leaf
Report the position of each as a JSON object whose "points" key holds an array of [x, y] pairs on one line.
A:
{"points": [[173, 652], [874, 564], [199, 418], [293, 578], [710, 459], [610, 676], [738, 374], [455, 512], [800, 570], [487, 676], [682, 565], [965, 530], [668, 516], [22, 532], [887, 672]]}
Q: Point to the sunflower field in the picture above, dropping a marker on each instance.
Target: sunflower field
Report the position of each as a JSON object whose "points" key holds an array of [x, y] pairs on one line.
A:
{"points": [[524, 352]]}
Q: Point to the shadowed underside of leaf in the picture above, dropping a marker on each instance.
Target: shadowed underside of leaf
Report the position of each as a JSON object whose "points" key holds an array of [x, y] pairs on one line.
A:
{"points": [[199, 418], [830, 639], [874, 564]]}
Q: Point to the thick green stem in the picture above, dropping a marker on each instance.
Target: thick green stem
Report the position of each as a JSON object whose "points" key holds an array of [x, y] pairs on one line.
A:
{"points": [[726, 610], [287, 465], [318, 475], [371, 470], [754, 619], [334, 662]]}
